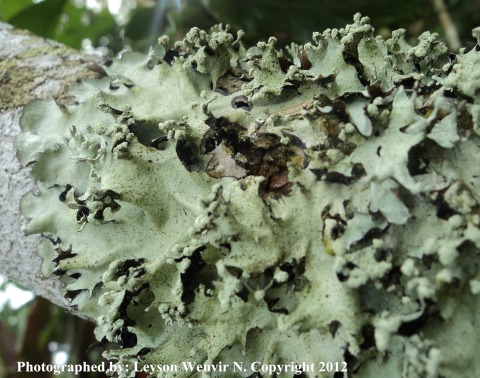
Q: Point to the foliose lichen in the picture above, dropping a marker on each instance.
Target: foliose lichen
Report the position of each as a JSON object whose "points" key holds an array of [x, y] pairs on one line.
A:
{"points": [[210, 203]]}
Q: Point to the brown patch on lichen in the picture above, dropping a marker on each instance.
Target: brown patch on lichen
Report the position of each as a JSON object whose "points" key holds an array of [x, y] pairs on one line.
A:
{"points": [[232, 81], [259, 154], [305, 63], [375, 90], [465, 120], [63, 254]]}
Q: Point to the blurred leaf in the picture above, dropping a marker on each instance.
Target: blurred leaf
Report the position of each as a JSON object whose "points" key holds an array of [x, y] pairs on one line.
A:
{"points": [[35, 348], [9, 8], [140, 25], [7, 339], [38, 324], [41, 18], [80, 23], [296, 20], [13, 326], [293, 21], [62, 21], [147, 23], [465, 14]]}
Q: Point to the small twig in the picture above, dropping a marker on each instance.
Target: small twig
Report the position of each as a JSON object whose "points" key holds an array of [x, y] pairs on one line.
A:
{"points": [[451, 32]]}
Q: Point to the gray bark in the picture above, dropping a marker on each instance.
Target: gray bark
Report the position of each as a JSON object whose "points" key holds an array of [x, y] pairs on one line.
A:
{"points": [[30, 67]]}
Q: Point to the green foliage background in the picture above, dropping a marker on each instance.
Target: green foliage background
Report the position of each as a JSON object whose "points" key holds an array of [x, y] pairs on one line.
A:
{"points": [[139, 22]]}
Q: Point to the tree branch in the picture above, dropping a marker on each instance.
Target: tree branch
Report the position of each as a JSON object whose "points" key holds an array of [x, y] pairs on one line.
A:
{"points": [[30, 67], [451, 33]]}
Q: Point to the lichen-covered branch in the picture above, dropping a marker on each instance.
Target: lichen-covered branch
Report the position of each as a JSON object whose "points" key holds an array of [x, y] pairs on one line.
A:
{"points": [[212, 203], [30, 67]]}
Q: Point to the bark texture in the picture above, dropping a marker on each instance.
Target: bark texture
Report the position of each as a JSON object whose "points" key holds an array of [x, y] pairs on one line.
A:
{"points": [[30, 67]]}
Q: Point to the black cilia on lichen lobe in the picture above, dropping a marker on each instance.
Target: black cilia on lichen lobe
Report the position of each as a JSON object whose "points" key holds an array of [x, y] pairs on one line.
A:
{"points": [[215, 203]]}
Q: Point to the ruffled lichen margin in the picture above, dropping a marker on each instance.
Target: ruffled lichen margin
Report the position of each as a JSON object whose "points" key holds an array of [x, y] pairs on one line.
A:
{"points": [[211, 203]]}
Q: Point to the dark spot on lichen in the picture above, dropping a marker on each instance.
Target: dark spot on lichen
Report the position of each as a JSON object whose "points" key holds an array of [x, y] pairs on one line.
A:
{"points": [[241, 102], [358, 171], [414, 326], [271, 307], [98, 70], [426, 90], [382, 254], [444, 211], [305, 63], [63, 254], [392, 277], [323, 81], [375, 90], [189, 154], [108, 199], [198, 274], [170, 55], [345, 274], [144, 351], [160, 144], [350, 55], [464, 120], [152, 63], [70, 295], [111, 110], [97, 345], [455, 94], [420, 155], [333, 327], [209, 51], [339, 110], [227, 246], [82, 213], [124, 269], [408, 82], [148, 133], [284, 63], [243, 294], [209, 141], [63, 196], [368, 335], [234, 271], [296, 270], [126, 338], [114, 86], [231, 81], [337, 177]]}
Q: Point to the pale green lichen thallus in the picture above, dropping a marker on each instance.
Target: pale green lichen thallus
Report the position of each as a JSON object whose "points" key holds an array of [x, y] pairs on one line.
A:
{"points": [[212, 203]]}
